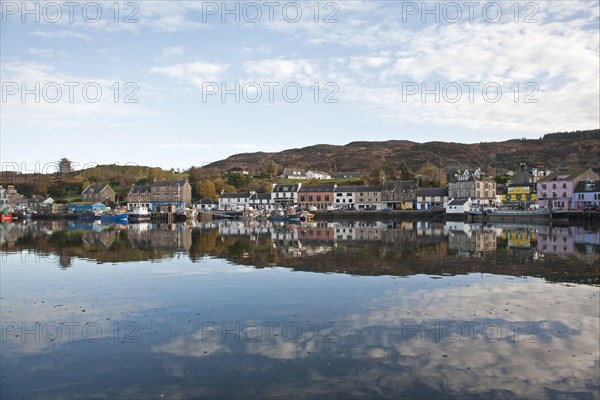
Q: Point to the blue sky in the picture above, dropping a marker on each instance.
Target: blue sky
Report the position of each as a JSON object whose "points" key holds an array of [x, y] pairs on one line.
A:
{"points": [[377, 61]]}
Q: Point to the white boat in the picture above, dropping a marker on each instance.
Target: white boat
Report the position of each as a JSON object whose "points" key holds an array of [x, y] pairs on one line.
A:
{"points": [[139, 214]]}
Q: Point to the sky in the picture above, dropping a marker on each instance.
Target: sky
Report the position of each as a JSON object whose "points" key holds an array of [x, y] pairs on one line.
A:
{"points": [[177, 84]]}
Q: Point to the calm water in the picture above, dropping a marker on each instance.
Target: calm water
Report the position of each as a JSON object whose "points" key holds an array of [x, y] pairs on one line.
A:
{"points": [[348, 310]]}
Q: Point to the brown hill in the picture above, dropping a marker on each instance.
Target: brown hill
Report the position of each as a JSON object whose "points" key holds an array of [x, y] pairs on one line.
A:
{"points": [[553, 151]]}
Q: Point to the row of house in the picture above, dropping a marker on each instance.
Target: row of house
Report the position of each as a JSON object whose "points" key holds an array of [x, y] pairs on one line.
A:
{"points": [[398, 195], [298, 173]]}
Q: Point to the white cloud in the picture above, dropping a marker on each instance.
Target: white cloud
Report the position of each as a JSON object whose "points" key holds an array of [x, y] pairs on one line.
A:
{"points": [[63, 33], [196, 73]]}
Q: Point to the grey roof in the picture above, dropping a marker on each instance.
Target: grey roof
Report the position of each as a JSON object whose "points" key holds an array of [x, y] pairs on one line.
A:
{"points": [[345, 189], [140, 189], [587, 187], [324, 188], [180, 182], [368, 189], [432, 192], [286, 188], [393, 185], [235, 195], [458, 202], [95, 189]]}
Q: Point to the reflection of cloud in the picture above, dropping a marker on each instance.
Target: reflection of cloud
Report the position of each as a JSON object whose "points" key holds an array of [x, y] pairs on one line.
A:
{"points": [[373, 356]]}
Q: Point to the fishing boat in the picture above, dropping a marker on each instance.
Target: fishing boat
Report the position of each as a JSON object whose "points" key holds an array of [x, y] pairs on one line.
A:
{"points": [[139, 214], [493, 214], [117, 218]]}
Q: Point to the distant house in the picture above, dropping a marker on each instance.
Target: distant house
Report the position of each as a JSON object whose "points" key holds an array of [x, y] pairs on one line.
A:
{"points": [[349, 175], [283, 195], [428, 198], [556, 190], [399, 195], [317, 175], [238, 170], [458, 206], [368, 197], [293, 173], [320, 197], [206, 205], [234, 201], [344, 196], [586, 194], [98, 194]]}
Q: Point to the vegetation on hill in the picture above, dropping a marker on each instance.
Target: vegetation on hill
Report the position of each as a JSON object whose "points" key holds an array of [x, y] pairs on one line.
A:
{"points": [[432, 164]]}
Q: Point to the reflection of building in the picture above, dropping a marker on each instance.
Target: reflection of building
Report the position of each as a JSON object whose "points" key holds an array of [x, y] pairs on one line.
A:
{"points": [[160, 236], [555, 240], [471, 241], [317, 231]]}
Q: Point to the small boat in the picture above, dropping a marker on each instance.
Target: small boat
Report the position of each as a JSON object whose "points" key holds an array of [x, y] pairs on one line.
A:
{"points": [[139, 214], [6, 215]]}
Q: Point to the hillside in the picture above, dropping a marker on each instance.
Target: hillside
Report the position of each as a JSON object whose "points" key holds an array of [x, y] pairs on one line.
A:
{"points": [[553, 151]]}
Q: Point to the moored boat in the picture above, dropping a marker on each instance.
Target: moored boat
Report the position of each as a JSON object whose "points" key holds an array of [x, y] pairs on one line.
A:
{"points": [[139, 214], [119, 218]]}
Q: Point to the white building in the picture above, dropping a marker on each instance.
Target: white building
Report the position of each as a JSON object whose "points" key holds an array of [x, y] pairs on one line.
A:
{"points": [[261, 201], [234, 201], [459, 206], [317, 175], [428, 198], [285, 195], [344, 197]]}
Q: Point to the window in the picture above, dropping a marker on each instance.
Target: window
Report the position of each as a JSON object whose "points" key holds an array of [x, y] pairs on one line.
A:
{"points": [[310, 198], [302, 198], [326, 197], [318, 197], [564, 185]]}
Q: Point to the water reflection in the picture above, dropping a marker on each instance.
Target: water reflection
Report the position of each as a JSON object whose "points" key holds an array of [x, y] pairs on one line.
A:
{"points": [[360, 248], [227, 309]]}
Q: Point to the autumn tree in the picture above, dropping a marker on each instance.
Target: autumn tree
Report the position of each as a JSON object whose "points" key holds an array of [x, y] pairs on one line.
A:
{"points": [[206, 190]]}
